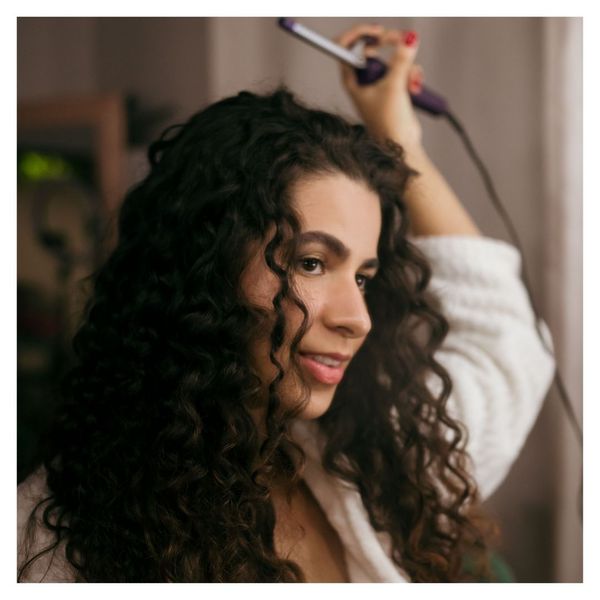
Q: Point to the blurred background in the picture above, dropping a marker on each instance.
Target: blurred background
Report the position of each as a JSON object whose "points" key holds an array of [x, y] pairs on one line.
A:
{"points": [[93, 92]]}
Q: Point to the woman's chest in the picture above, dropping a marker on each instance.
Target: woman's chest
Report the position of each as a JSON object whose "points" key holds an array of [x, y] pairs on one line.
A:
{"points": [[303, 534]]}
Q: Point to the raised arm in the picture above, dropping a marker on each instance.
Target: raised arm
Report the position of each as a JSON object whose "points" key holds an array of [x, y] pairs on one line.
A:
{"points": [[386, 110], [499, 367]]}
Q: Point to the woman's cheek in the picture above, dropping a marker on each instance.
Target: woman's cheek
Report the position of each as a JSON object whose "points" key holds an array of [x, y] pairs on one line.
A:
{"points": [[310, 296]]}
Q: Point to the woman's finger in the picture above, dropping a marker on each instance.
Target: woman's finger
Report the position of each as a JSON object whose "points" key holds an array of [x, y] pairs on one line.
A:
{"points": [[416, 76], [347, 40], [405, 51], [350, 37]]}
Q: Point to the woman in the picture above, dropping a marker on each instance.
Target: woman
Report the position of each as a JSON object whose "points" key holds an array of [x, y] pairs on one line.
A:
{"points": [[269, 387]]}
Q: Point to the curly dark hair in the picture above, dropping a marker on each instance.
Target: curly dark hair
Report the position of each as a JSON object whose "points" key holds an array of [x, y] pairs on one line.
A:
{"points": [[155, 468]]}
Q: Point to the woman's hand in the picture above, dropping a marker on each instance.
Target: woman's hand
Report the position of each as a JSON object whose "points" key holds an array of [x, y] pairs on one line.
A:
{"points": [[387, 111], [385, 105]]}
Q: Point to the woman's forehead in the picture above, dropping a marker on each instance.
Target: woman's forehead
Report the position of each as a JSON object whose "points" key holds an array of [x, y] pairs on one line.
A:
{"points": [[339, 206]]}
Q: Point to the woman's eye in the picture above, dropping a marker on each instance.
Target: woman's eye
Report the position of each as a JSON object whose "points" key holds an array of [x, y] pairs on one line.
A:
{"points": [[312, 265], [362, 281], [315, 266]]}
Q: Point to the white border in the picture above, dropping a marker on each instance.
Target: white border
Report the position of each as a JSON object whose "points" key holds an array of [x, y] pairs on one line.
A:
{"points": [[307, 8]]}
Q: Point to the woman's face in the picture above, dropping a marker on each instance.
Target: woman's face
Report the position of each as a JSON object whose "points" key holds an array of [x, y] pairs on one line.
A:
{"points": [[340, 226]]}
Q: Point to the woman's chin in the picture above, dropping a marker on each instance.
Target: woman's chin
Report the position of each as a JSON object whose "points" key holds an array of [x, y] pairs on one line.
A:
{"points": [[318, 404]]}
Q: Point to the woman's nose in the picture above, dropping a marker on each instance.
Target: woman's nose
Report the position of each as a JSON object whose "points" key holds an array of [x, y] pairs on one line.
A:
{"points": [[346, 311]]}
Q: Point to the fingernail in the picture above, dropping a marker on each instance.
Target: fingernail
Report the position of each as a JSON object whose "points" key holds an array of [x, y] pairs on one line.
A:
{"points": [[411, 38], [415, 87]]}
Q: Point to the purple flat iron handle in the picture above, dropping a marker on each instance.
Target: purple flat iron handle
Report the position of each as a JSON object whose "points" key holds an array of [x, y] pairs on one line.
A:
{"points": [[426, 100]]}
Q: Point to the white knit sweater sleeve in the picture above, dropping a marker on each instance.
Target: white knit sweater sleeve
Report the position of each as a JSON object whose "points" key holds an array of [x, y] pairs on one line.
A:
{"points": [[500, 369]]}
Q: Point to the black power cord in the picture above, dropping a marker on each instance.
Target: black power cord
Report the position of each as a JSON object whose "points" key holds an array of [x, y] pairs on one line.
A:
{"points": [[487, 180]]}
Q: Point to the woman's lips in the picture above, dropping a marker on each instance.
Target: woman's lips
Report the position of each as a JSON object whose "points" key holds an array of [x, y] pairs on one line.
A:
{"points": [[322, 373]]}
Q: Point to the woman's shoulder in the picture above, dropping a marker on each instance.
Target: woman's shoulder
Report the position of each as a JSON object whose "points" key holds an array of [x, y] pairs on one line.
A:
{"points": [[33, 537]]}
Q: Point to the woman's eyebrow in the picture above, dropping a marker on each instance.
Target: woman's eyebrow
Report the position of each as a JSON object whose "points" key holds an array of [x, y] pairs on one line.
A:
{"points": [[335, 245]]}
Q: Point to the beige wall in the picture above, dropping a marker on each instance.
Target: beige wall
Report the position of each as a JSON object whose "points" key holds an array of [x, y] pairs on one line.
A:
{"points": [[491, 70], [55, 56], [160, 59]]}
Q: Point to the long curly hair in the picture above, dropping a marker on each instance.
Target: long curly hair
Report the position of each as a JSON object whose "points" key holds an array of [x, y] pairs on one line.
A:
{"points": [[155, 469]]}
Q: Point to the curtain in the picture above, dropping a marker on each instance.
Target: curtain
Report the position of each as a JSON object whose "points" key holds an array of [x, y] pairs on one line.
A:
{"points": [[563, 218]]}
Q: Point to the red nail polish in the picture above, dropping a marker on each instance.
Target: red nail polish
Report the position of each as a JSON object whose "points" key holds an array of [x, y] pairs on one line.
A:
{"points": [[415, 87], [411, 38]]}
